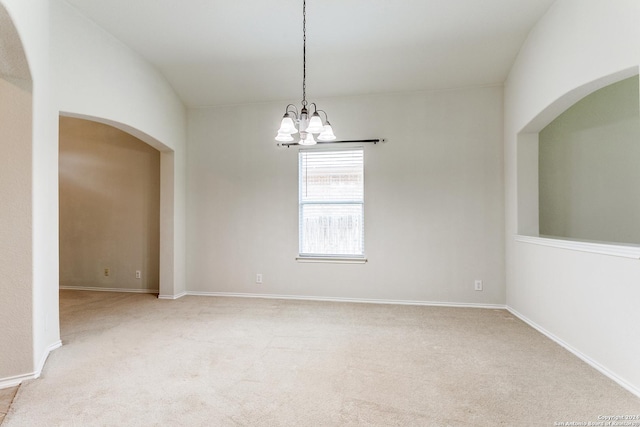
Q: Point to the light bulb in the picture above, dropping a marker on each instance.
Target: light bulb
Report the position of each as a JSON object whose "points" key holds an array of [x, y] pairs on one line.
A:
{"points": [[307, 140], [315, 124]]}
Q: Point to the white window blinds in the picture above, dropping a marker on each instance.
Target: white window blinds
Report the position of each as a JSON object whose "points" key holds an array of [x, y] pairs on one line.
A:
{"points": [[331, 203]]}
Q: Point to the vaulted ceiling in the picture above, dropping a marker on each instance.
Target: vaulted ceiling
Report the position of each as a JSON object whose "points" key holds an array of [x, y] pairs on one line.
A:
{"points": [[216, 52]]}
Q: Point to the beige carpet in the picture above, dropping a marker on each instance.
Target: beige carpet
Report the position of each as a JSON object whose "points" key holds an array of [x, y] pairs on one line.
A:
{"points": [[134, 360], [6, 397]]}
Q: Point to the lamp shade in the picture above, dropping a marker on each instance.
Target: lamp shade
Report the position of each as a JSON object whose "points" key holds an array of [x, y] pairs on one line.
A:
{"points": [[327, 133], [315, 124], [307, 140], [284, 137], [287, 126]]}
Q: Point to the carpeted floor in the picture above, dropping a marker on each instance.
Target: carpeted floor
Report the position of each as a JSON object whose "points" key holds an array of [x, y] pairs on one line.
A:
{"points": [[134, 360], [6, 397]]}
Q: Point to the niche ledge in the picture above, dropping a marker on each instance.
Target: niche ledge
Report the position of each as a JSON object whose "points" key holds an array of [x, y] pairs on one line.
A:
{"points": [[612, 249]]}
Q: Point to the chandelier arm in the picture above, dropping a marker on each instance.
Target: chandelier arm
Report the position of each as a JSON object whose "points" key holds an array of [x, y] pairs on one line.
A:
{"points": [[326, 117], [294, 111]]}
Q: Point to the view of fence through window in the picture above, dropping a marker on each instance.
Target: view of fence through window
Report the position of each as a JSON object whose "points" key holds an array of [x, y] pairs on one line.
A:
{"points": [[331, 185]]}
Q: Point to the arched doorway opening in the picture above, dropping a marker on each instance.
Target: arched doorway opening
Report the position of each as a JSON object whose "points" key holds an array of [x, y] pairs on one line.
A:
{"points": [[165, 264], [109, 204]]}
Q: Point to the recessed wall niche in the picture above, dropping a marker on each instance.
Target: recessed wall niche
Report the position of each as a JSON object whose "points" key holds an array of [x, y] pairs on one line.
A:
{"points": [[589, 168]]}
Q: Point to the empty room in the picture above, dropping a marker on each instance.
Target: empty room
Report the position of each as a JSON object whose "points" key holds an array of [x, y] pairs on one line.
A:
{"points": [[319, 213]]}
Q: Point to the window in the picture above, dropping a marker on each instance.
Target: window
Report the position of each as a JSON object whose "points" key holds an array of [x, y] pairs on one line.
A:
{"points": [[331, 203]]}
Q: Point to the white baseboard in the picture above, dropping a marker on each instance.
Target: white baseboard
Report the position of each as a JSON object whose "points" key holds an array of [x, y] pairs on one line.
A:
{"points": [[49, 349], [291, 297], [173, 297], [602, 369], [352, 300], [88, 288], [18, 379]]}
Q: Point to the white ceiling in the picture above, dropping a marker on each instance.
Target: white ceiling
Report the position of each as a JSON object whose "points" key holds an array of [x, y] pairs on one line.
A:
{"points": [[216, 52]]}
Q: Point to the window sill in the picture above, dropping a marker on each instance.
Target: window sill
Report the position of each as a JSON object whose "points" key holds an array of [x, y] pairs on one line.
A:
{"points": [[329, 260], [612, 249]]}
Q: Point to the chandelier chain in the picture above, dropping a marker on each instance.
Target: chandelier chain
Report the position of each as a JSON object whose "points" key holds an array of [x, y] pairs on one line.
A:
{"points": [[304, 53], [300, 121]]}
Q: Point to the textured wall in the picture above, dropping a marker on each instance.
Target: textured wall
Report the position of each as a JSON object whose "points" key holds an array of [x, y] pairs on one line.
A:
{"points": [[109, 207], [16, 275], [433, 200]]}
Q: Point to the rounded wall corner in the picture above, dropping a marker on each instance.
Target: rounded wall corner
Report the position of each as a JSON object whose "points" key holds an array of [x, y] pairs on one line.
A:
{"points": [[565, 101]]}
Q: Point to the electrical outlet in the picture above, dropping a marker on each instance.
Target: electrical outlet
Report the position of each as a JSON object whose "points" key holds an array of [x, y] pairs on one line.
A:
{"points": [[478, 285], [106, 272], [138, 274], [258, 278]]}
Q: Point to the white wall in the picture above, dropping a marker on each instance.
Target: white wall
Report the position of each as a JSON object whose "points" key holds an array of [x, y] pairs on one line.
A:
{"points": [[99, 78], [31, 19], [433, 200], [95, 73], [588, 301]]}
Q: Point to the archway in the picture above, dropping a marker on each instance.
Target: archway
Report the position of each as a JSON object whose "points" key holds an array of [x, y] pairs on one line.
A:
{"points": [[167, 200]]}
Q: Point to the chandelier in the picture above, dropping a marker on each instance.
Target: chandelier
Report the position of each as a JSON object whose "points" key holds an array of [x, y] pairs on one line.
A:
{"points": [[299, 122]]}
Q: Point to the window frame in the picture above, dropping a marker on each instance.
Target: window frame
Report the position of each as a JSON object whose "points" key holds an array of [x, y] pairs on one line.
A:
{"points": [[337, 258]]}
